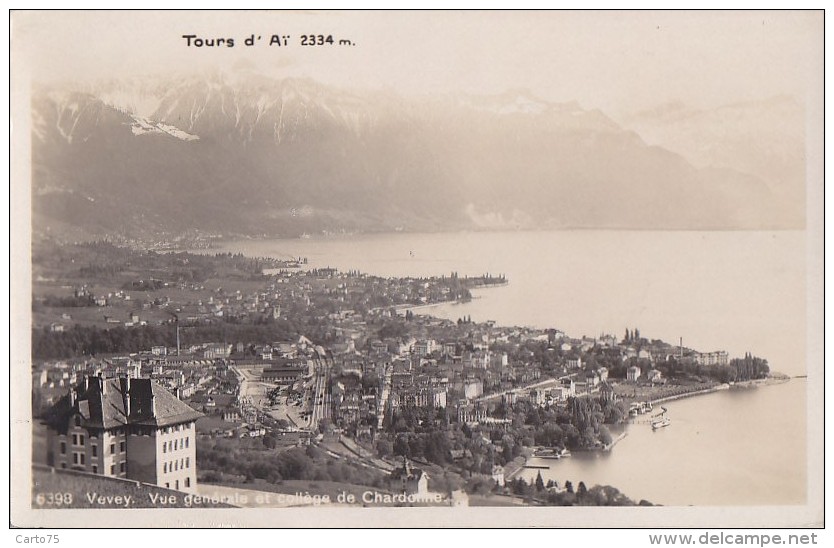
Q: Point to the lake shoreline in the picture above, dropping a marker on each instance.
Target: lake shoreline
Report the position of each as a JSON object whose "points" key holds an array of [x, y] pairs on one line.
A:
{"points": [[769, 381]]}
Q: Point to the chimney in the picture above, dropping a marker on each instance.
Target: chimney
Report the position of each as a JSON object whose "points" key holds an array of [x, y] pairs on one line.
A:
{"points": [[176, 392], [73, 396], [153, 404], [102, 383]]}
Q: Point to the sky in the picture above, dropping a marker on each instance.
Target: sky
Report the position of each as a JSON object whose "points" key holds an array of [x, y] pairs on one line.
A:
{"points": [[619, 62]]}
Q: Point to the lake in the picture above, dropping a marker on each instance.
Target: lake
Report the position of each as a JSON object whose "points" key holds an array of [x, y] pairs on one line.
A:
{"points": [[732, 447], [736, 291]]}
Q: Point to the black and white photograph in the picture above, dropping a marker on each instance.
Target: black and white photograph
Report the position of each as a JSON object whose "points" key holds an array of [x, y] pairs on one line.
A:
{"points": [[416, 268]]}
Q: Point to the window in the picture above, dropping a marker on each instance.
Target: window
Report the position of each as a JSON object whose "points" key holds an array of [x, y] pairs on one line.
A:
{"points": [[77, 420], [81, 439], [164, 467], [187, 462], [75, 439], [176, 465], [63, 465], [95, 450], [63, 448], [165, 447], [95, 469], [188, 482], [75, 458], [112, 448], [122, 447], [121, 467], [112, 469], [82, 457], [186, 443], [177, 484], [167, 485], [176, 443]]}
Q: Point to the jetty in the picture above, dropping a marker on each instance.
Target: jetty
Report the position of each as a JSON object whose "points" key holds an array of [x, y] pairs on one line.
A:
{"points": [[614, 442]]}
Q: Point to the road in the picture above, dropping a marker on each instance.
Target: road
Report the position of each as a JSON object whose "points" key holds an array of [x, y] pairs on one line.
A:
{"points": [[386, 393], [320, 404], [518, 390]]}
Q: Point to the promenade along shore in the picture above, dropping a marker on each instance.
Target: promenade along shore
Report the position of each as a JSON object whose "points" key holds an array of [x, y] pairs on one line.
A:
{"points": [[665, 393]]}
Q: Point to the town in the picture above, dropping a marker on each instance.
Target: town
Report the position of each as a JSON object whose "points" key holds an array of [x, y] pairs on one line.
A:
{"points": [[282, 374]]}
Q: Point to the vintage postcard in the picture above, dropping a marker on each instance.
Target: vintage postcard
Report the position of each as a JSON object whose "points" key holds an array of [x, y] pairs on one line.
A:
{"points": [[416, 269]]}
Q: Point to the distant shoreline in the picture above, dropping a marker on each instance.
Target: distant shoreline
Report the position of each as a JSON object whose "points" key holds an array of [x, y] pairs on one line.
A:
{"points": [[413, 307], [416, 307]]}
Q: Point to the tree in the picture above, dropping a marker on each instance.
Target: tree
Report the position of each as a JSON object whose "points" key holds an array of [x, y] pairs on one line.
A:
{"points": [[384, 448], [401, 446], [605, 435], [569, 486], [539, 482], [581, 490]]}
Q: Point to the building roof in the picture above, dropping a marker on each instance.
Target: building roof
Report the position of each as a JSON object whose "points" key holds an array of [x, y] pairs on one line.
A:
{"points": [[407, 472], [111, 403]]}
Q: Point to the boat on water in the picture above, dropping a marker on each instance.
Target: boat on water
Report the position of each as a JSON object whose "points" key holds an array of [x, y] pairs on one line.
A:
{"points": [[551, 453], [661, 420]]}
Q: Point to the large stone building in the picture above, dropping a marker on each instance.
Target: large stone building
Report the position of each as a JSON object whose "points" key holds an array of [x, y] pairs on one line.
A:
{"points": [[125, 428], [719, 357]]}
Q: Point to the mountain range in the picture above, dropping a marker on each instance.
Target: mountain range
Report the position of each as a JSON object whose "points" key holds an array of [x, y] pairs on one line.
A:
{"points": [[251, 155]]}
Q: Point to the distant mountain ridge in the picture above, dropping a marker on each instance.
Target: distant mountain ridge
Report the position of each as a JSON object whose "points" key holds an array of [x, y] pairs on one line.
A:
{"points": [[765, 138], [250, 155]]}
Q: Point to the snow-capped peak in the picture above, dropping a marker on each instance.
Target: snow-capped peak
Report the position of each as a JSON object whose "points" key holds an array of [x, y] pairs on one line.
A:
{"points": [[141, 126]]}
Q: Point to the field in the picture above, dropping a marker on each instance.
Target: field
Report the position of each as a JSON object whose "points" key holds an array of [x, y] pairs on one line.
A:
{"points": [[133, 282]]}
